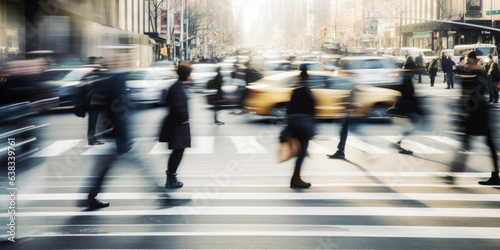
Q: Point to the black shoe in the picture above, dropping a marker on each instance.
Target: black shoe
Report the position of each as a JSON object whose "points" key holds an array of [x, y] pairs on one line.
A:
{"points": [[95, 203], [219, 123], [92, 143], [337, 155], [446, 88], [449, 179], [493, 180], [405, 151], [172, 181]]}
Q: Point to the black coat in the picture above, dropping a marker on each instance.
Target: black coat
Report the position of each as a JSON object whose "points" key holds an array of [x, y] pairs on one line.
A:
{"points": [[408, 104], [301, 112], [173, 131], [473, 106], [448, 65]]}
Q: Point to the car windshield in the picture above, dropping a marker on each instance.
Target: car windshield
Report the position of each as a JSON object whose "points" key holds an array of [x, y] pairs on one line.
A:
{"points": [[428, 53], [486, 51], [54, 75]]}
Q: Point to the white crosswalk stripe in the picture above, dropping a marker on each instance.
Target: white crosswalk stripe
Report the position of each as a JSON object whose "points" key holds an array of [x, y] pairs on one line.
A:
{"points": [[57, 148], [248, 145]]}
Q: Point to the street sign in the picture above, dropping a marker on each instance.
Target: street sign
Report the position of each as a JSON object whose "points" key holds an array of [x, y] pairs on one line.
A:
{"points": [[493, 12], [185, 21], [313, 12], [373, 27]]}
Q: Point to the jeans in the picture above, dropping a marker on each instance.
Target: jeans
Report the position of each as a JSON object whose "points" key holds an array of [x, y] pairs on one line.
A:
{"points": [[449, 80]]}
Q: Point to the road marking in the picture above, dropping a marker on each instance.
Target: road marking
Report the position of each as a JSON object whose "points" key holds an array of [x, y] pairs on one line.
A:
{"points": [[57, 148], [200, 145], [281, 210], [445, 140], [363, 146], [104, 149], [270, 196], [316, 148], [306, 231], [416, 147], [248, 145]]}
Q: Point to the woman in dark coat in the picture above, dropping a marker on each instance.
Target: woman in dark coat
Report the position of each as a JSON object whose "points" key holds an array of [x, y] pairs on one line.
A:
{"points": [[474, 116], [219, 96], [493, 80], [175, 129], [301, 112]]}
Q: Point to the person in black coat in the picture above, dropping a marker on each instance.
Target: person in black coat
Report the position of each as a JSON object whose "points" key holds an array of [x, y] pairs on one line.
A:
{"points": [[493, 81], [474, 116], [301, 112], [219, 96], [175, 129]]}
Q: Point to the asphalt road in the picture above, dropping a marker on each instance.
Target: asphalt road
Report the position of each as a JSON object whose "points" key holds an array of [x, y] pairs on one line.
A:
{"points": [[236, 195]]}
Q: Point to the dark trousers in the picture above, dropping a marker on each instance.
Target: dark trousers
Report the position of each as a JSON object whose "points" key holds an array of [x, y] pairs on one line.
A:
{"points": [[349, 123], [492, 89], [102, 164], [304, 143], [175, 160], [449, 80], [92, 122], [458, 164], [433, 78]]}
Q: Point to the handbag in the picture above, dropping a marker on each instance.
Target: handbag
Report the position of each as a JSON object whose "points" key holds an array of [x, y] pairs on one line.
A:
{"points": [[289, 149]]}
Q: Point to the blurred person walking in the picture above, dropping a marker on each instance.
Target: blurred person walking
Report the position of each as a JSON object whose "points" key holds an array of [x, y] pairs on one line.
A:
{"points": [[175, 129], [448, 65], [493, 81], [474, 119], [419, 60], [407, 110], [301, 111], [441, 61], [433, 69], [219, 96]]}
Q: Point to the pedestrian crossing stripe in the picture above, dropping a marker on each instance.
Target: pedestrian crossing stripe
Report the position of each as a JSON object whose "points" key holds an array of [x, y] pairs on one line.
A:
{"points": [[251, 145], [280, 210], [301, 231], [57, 148], [270, 196]]}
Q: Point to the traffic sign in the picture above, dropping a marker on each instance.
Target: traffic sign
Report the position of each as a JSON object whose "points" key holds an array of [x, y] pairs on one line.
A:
{"points": [[493, 12]]}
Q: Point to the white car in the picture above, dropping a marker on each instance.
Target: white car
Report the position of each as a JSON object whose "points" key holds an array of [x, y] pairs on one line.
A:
{"points": [[66, 82], [369, 70], [145, 86], [202, 73]]}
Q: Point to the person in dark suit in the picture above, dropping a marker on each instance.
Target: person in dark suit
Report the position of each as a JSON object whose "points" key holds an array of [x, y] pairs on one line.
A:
{"points": [[448, 65], [301, 112], [474, 117], [175, 129]]}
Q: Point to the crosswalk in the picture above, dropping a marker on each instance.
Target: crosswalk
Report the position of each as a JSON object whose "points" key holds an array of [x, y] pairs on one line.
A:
{"points": [[353, 209], [203, 145]]}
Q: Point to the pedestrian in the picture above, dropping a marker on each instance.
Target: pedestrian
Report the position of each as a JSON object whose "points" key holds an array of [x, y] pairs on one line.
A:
{"points": [[350, 122], [96, 106], [219, 96], [433, 69], [488, 63], [443, 58], [419, 60], [410, 64], [407, 110], [301, 110], [175, 129], [448, 70], [493, 81], [474, 117]]}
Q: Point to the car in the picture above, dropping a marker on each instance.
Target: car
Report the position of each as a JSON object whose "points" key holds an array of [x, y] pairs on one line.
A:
{"points": [[274, 67], [145, 85], [370, 70], [482, 51], [330, 62], [164, 68], [66, 82], [202, 73], [271, 95]]}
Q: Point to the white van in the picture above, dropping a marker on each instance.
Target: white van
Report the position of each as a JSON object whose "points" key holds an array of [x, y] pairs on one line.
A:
{"points": [[482, 51]]}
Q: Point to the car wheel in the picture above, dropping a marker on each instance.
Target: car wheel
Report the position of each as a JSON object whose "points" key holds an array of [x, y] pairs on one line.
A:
{"points": [[278, 113], [379, 113]]}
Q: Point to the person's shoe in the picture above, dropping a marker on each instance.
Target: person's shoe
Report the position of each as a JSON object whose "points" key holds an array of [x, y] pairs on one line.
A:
{"points": [[95, 203], [405, 151], [299, 183], [92, 143], [446, 88], [449, 179], [218, 123], [493, 180], [172, 181], [337, 155]]}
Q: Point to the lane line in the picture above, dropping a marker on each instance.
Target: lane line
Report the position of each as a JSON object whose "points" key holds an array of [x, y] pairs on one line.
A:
{"points": [[355, 142], [248, 145], [199, 145], [416, 147]]}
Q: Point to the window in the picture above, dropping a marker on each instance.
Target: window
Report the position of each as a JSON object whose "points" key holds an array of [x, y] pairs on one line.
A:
{"points": [[338, 83]]}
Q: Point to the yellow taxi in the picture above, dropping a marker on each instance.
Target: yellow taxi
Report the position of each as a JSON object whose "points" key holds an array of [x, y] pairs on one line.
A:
{"points": [[270, 95]]}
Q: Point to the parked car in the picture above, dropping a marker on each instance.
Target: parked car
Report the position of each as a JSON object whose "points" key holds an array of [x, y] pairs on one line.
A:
{"points": [[202, 73], [66, 82], [164, 68], [144, 86], [270, 96], [370, 70]]}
